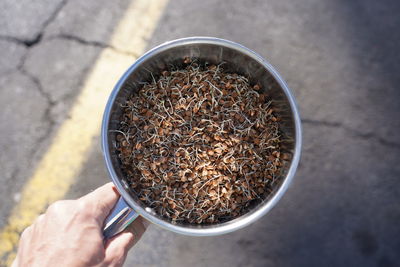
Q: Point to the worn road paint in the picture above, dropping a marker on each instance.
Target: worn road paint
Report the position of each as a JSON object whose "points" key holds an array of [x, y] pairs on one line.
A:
{"points": [[64, 159]]}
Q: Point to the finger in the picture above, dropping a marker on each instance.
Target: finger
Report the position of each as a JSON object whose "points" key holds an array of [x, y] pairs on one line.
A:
{"points": [[26, 233], [39, 219], [24, 243], [117, 248], [15, 262], [38, 223], [104, 198], [137, 228]]}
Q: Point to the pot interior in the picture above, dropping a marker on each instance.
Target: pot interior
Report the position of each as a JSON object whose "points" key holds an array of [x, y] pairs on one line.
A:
{"points": [[236, 60]]}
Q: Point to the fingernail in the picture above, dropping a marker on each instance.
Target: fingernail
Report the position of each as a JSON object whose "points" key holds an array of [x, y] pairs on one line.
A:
{"points": [[131, 238]]}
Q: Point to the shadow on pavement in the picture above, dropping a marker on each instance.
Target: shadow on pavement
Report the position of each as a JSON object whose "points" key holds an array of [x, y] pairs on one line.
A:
{"points": [[342, 209]]}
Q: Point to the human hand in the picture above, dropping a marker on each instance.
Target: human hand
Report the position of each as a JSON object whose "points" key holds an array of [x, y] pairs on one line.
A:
{"points": [[70, 233]]}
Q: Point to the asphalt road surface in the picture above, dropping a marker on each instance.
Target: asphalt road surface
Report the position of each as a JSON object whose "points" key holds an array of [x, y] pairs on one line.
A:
{"points": [[340, 58]]}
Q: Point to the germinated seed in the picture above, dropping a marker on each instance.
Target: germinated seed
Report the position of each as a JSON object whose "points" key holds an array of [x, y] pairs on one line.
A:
{"points": [[198, 145]]}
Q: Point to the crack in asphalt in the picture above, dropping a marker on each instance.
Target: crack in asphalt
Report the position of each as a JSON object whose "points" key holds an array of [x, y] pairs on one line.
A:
{"points": [[25, 42], [47, 112], [49, 122], [36, 40], [29, 43], [355, 132], [82, 41]]}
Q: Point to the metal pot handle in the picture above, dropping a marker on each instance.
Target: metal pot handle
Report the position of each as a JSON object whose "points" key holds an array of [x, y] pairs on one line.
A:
{"points": [[120, 217]]}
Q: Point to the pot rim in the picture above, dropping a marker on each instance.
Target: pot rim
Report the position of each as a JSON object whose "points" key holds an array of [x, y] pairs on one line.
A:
{"points": [[215, 229]]}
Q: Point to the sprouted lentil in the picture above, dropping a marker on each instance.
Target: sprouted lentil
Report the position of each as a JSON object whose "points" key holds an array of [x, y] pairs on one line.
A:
{"points": [[198, 144]]}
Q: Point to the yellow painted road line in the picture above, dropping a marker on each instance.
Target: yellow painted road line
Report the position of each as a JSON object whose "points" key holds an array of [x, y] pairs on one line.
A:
{"points": [[64, 159]]}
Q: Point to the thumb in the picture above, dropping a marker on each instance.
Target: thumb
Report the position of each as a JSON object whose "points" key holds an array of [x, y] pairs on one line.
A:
{"points": [[117, 248], [103, 200]]}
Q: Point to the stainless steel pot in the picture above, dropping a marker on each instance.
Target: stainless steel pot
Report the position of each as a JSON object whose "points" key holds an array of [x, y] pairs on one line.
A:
{"points": [[238, 59]]}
